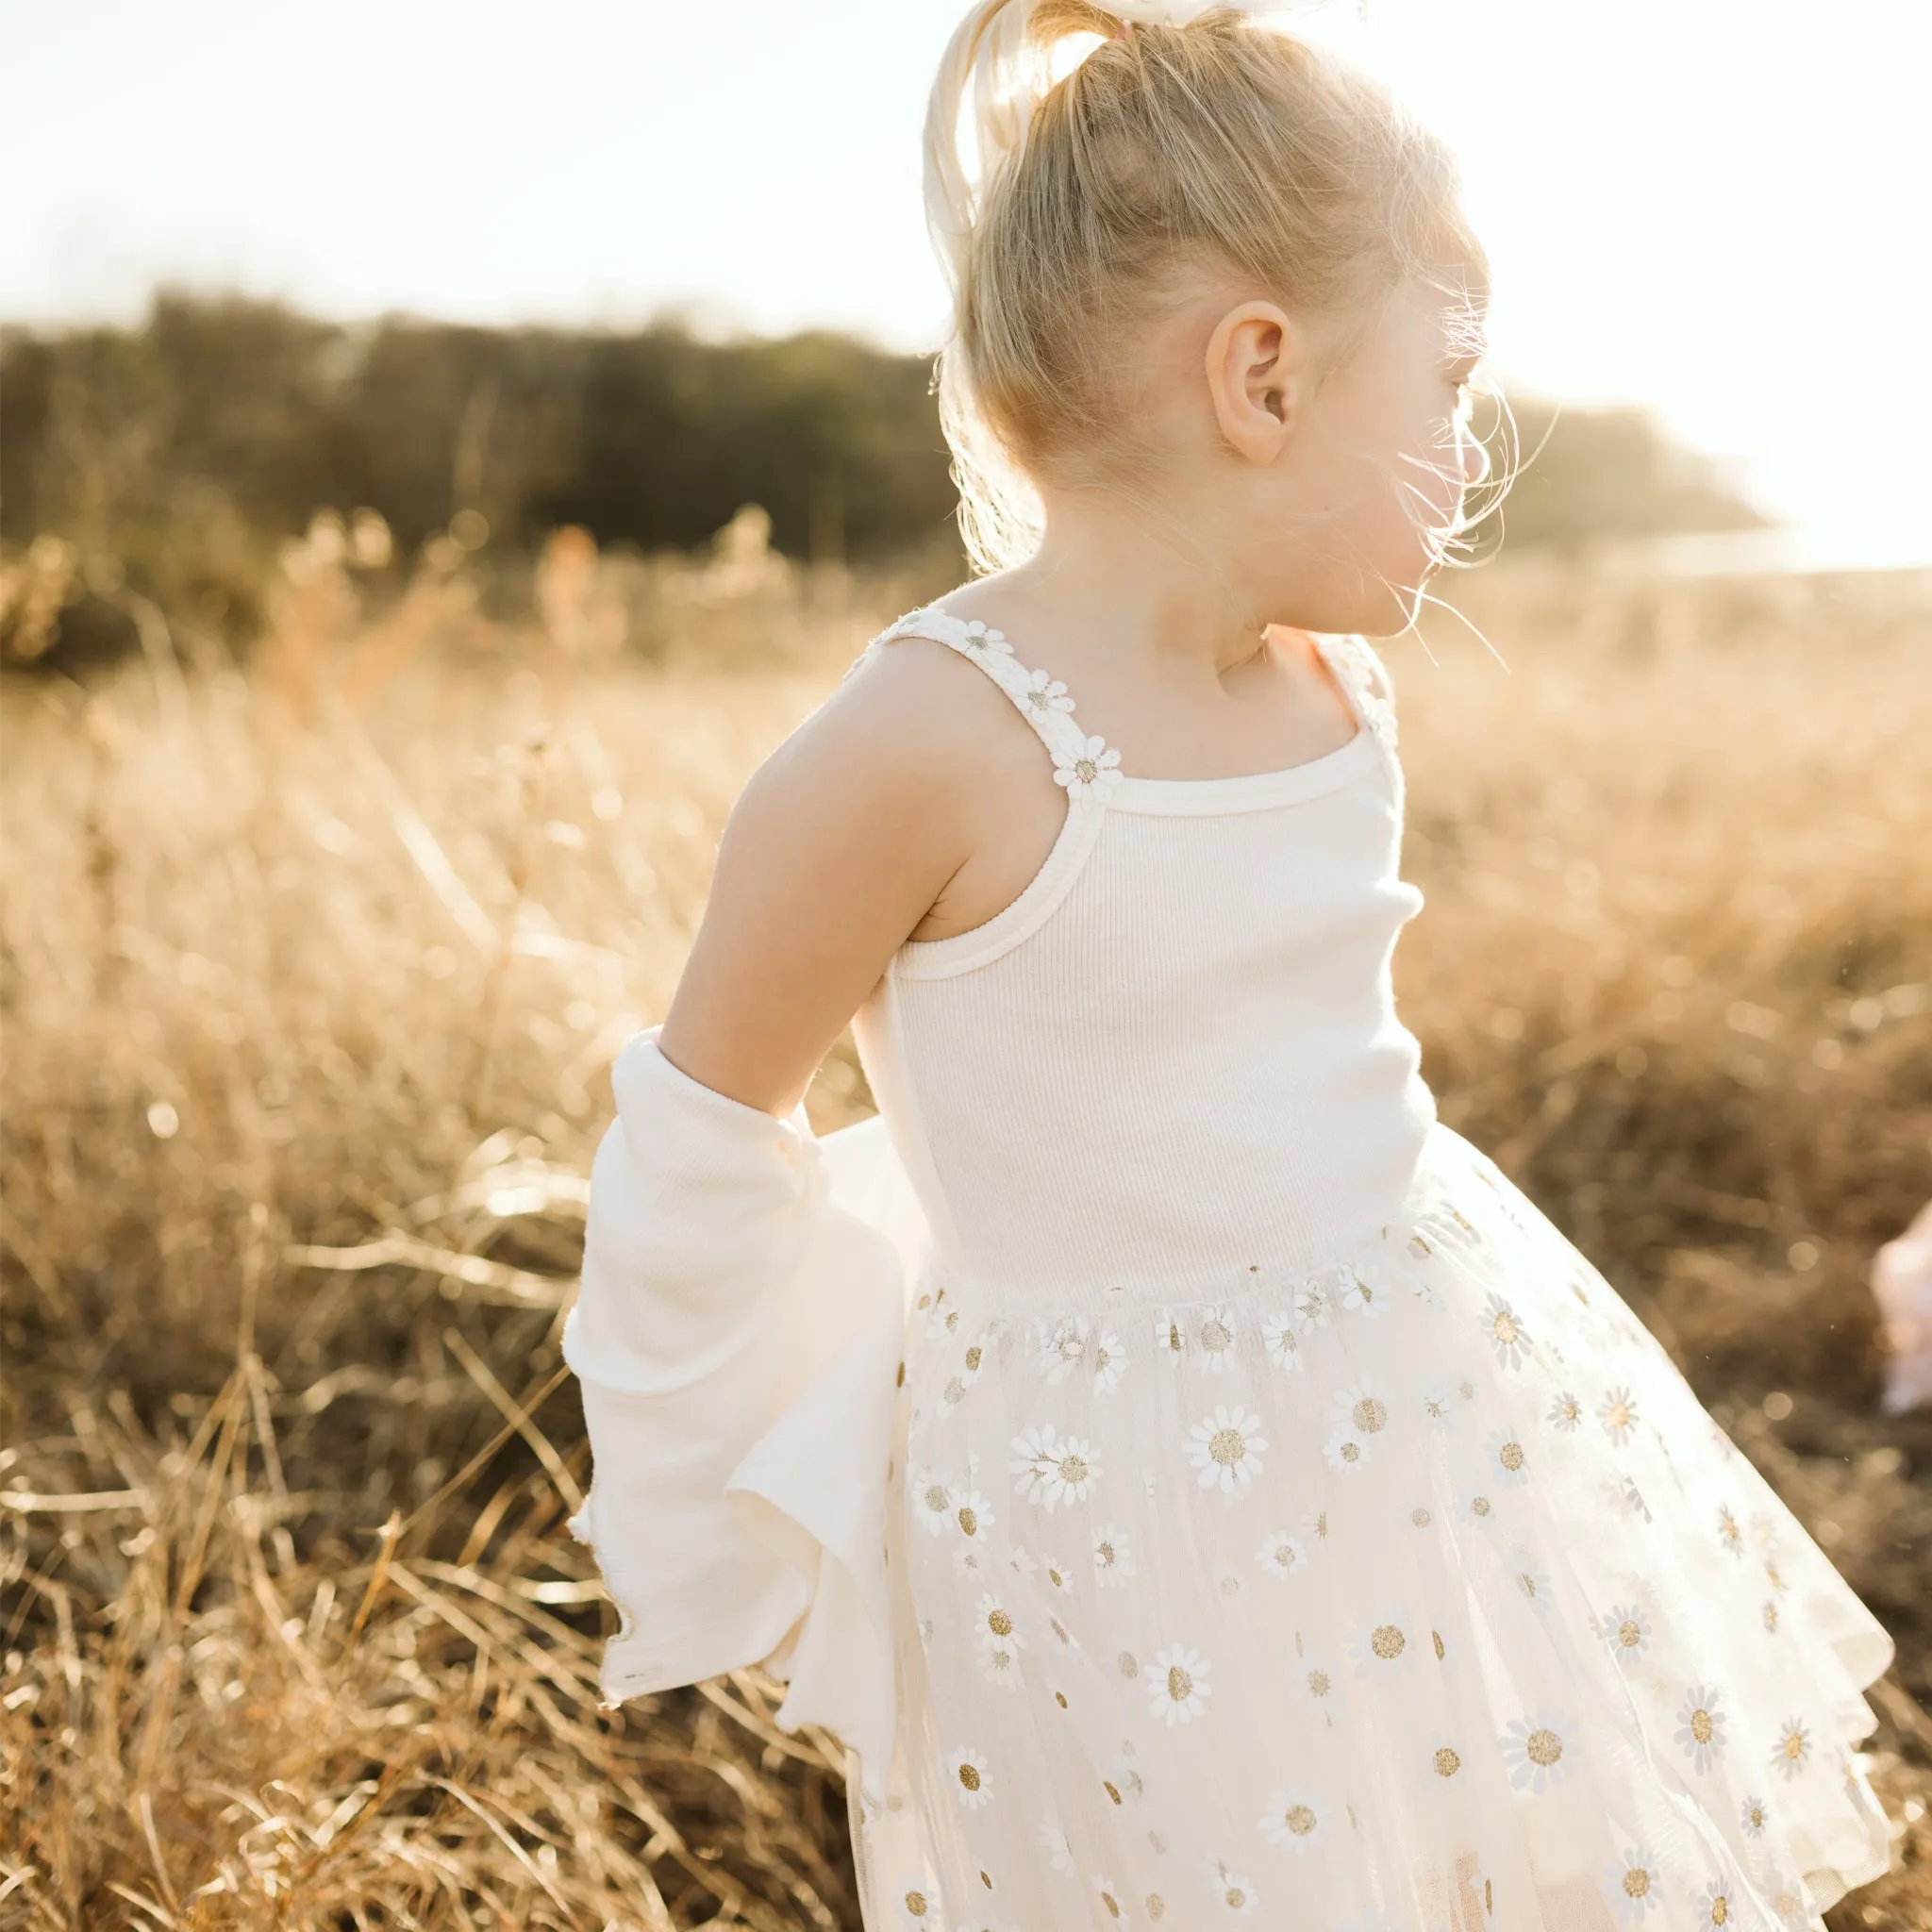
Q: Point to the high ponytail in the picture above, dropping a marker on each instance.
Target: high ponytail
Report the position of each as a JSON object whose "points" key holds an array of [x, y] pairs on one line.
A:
{"points": [[1081, 159]]}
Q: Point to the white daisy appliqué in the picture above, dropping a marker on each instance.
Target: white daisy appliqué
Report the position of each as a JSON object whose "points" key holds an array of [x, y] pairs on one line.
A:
{"points": [[994, 1626], [971, 1779], [1362, 1291], [1381, 1647], [1113, 1556], [1506, 1333], [1057, 1348], [1282, 1555], [972, 1515], [1297, 1820], [1633, 1885], [931, 1501], [1278, 1341], [1235, 1894], [1089, 773], [1314, 1305], [1041, 694], [1509, 1459], [1224, 1447], [1701, 1728], [1178, 1686], [1110, 1362], [1715, 1908], [1625, 1629], [1214, 1341], [1049, 1469], [1540, 1750], [982, 641], [1617, 1412]]}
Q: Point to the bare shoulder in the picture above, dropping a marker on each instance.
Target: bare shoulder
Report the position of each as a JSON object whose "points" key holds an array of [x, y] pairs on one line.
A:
{"points": [[914, 729], [844, 840]]}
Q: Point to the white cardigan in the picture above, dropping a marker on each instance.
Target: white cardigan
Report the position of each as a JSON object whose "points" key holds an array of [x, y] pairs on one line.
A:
{"points": [[739, 1338]]}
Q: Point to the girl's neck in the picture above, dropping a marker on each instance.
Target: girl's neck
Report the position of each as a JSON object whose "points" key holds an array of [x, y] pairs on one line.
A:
{"points": [[1104, 571]]}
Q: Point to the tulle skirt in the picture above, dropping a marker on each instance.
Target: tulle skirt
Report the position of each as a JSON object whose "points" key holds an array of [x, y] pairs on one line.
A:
{"points": [[1414, 1593]]}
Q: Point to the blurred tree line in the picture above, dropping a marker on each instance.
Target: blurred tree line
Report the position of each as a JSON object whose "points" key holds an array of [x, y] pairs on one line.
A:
{"points": [[175, 456]]}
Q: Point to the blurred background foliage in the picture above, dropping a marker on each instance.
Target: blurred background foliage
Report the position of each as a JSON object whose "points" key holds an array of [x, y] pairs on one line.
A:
{"points": [[168, 461]]}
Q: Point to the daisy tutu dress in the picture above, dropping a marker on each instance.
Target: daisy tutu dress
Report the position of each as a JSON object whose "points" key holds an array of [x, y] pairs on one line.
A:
{"points": [[1196, 1484]]}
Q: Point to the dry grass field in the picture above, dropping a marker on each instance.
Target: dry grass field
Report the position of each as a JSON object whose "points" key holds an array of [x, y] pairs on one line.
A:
{"points": [[309, 978]]}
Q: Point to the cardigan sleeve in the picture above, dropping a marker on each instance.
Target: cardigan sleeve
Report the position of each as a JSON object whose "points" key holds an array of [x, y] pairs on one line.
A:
{"points": [[738, 1339]]}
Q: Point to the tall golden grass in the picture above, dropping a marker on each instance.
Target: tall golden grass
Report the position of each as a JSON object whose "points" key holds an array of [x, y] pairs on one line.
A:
{"points": [[310, 977]]}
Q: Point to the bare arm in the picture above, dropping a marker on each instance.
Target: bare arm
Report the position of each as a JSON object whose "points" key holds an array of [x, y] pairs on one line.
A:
{"points": [[844, 840]]}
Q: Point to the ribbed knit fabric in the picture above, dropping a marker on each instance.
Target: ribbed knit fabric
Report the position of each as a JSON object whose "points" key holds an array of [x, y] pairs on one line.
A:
{"points": [[1175, 1060]]}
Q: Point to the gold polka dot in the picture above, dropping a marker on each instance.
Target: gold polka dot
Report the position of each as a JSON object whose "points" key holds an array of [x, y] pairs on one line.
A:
{"points": [[1216, 1335], [1318, 1683], [1637, 1882], [1479, 1506], [1111, 1790], [1000, 1624], [1227, 1447], [1719, 1910], [1388, 1642], [1351, 1452], [916, 1903], [1112, 1905], [1180, 1686], [969, 1777], [1420, 1518], [1156, 1906], [986, 1879], [935, 1498], [1060, 1697], [1128, 1664], [1370, 1415], [968, 1521], [1300, 1820], [1543, 1748], [1072, 1470], [974, 1358], [1448, 1762], [1442, 1648], [1629, 1633], [1702, 1727], [1511, 1457]]}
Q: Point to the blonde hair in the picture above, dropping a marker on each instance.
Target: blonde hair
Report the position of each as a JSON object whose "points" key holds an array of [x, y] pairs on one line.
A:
{"points": [[1072, 186]]}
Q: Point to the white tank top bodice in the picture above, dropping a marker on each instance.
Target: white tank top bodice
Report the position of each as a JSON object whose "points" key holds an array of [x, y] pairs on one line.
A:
{"points": [[1174, 1062]]}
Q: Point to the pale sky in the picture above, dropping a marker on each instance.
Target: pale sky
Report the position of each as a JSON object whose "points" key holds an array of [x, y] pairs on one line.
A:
{"points": [[1719, 208]]}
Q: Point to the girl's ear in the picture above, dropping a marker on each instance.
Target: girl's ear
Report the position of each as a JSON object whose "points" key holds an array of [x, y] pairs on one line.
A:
{"points": [[1257, 366]]}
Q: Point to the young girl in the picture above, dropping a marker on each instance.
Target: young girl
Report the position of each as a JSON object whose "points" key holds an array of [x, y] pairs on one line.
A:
{"points": [[1196, 1484]]}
